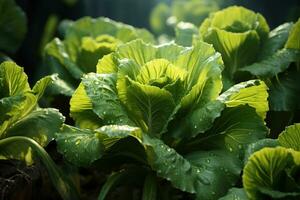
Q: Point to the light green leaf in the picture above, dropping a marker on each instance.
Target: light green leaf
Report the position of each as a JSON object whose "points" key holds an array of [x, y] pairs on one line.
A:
{"points": [[101, 90], [81, 109], [204, 66], [13, 80], [40, 86], [13, 25], [107, 64], [40, 125], [270, 173], [237, 49], [237, 34], [138, 51], [274, 64], [150, 105], [290, 137], [236, 194], [253, 93], [293, 41]]}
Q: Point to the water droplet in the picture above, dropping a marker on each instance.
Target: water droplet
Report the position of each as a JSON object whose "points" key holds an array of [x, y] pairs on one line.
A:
{"points": [[213, 193], [77, 142], [169, 150], [207, 160], [198, 171], [230, 149], [195, 127], [240, 146]]}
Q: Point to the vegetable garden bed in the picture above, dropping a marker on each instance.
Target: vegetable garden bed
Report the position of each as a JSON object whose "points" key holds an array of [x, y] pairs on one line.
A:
{"points": [[208, 108]]}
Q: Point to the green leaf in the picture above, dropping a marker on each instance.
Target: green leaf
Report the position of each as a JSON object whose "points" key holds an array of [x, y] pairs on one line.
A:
{"points": [[185, 33], [40, 125], [59, 86], [199, 173], [293, 41], [67, 66], [237, 49], [41, 85], [151, 105], [221, 168], [61, 182], [237, 34], [233, 132], [150, 188], [79, 146], [272, 172], [138, 51], [13, 80], [276, 40], [101, 89], [290, 137], [256, 146], [198, 120], [13, 25], [274, 64], [81, 109], [107, 64], [236, 194], [284, 92], [203, 82], [253, 93], [91, 145]]}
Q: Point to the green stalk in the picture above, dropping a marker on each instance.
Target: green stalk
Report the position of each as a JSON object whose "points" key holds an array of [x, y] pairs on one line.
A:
{"points": [[64, 186]]}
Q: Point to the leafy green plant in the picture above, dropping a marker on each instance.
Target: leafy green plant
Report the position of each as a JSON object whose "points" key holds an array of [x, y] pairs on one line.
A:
{"points": [[164, 17], [250, 51], [13, 27], [24, 127], [273, 172], [167, 100], [84, 42]]}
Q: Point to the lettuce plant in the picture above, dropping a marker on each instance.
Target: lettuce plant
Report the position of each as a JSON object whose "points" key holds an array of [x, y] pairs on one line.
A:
{"points": [[84, 42], [164, 16], [24, 127], [250, 50], [161, 106], [13, 27], [237, 33], [273, 172]]}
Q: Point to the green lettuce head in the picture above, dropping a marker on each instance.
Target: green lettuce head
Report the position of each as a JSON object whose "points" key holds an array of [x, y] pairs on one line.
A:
{"points": [[164, 103], [151, 83], [237, 33], [85, 42]]}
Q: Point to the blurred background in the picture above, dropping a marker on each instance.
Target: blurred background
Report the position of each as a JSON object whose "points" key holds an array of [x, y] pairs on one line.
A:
{"points": [[43, 17]]}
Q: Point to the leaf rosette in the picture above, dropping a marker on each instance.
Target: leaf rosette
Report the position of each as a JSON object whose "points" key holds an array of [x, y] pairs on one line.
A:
{"points": [[85, 41], [167, 98], [237, 33]]}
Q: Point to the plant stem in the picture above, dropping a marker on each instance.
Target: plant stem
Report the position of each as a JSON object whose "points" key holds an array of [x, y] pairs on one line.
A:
{"points": [[62, 184]]}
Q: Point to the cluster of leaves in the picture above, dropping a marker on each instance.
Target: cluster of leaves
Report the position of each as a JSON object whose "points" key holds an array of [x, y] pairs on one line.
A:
{"points": [[174, 121]]}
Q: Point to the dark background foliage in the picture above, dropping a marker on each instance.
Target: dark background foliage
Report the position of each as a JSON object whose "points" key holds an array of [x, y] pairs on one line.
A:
{"points": [[134, 12]]}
